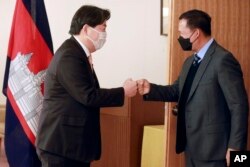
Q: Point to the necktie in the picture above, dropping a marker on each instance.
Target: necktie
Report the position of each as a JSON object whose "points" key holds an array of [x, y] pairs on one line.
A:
{"points": [[90, 61], [196, 60]]}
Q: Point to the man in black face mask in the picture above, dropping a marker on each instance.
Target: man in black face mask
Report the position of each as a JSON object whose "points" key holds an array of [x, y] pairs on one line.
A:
{"points": [[212, 101]]}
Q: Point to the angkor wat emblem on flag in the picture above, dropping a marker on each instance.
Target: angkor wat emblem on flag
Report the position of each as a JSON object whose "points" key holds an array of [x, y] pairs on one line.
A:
{"points": [[26, 89]]}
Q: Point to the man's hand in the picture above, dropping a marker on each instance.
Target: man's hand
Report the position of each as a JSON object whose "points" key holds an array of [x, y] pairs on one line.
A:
{"points": [[130, 87], [143, 86], [228, 155]]}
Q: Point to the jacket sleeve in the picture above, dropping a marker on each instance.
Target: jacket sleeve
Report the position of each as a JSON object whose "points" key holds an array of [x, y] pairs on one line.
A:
{"points": [[231, 81], [167, 93]]}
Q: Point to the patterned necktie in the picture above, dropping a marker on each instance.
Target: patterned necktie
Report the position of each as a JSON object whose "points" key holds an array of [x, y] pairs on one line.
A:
{"points": [[90, 61], [196, 60]]}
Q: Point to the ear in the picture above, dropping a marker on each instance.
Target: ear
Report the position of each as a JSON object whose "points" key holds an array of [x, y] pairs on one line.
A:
{"points": [[84, 29], [197, 32]]}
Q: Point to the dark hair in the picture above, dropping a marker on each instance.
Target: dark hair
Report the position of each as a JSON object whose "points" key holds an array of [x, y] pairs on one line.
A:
{"points": [[90, 15], [197, 19]]}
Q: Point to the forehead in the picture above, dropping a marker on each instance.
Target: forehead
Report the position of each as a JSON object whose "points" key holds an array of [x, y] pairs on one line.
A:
{"points": [[183, 26]]}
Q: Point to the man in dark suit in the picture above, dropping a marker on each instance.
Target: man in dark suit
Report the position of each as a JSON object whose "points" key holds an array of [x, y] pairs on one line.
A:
{"points": [[69, 126], [212, 100]]}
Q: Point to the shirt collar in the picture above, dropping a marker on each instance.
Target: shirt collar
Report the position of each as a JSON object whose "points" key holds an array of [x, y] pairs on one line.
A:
{"points": [[201, 53], [86, 50]]}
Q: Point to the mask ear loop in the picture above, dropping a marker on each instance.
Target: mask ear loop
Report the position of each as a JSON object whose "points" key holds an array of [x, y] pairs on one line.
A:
{"points": [[193, 34]]}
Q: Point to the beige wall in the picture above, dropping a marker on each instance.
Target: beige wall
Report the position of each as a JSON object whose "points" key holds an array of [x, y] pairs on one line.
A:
{"points": [[134, 47]]}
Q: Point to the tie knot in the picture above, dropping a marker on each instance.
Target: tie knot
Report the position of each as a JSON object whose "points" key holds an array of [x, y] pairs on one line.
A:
{"points": [[196, 59]]}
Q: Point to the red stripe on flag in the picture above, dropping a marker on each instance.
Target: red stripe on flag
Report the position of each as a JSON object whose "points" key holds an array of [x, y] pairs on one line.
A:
{"points": [[25, 37]]}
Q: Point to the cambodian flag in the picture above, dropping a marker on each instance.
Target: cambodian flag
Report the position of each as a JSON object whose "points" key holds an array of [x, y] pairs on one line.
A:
{"points": [[29, 53]]}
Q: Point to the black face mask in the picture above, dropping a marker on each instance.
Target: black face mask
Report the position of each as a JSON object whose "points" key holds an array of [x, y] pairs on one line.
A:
{"points": [[185, 43]]}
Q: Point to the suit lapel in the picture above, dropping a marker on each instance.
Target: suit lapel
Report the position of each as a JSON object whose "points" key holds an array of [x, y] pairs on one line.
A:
{"points": [[96, 79], [184, 73], [84, 56], [202, 69]]}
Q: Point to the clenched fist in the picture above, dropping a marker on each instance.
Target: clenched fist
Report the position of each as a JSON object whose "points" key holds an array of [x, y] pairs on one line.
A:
{"points": [[143, 86], [130, 87]]}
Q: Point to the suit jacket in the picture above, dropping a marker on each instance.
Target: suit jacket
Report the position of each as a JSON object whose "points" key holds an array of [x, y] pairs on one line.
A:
{"points": [[216, 111], [69, 124]]}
